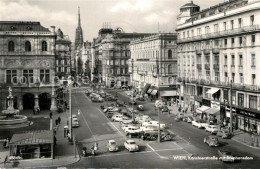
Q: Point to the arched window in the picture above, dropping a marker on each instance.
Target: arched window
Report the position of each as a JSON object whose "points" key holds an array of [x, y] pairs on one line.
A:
{"points": [[27, 46], [11, 46], [169, 54], [170, 69], [44, 46]]}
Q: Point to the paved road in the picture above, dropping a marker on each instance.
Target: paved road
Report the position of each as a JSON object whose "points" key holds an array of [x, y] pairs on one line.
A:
{"points": [[94, 126]]}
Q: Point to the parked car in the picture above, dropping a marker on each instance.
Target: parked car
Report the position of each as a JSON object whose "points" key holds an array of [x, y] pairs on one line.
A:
{"points": [[74, 116], [143, 118], [211, 141], [140, 107], [75, 122], [125, 126], [153, 135], [131, 146], [132, 129], [224, 133], [154, 123], [149, 128], [127, 120], [165, 108], [199, 123], [112, 146], [119, 118], [110, 114], [189, 119], [226, 156], [213, 129], [97, 99]]}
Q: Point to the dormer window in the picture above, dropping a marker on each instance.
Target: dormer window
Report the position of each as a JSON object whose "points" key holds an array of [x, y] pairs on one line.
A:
{"points": [[12, 27]]}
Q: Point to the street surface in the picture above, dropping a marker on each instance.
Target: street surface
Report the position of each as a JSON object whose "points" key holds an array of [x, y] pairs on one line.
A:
{"points": [[96, 127]]}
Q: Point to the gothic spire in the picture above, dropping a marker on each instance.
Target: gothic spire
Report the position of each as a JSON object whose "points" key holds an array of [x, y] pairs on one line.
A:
{"points": [[79, 33]]}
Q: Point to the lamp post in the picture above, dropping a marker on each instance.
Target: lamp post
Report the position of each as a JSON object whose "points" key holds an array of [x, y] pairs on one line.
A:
{"points": [[132, 64]]}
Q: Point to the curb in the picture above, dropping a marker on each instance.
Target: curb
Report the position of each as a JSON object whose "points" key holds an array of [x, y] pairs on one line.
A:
{"points": [[245, 144]]}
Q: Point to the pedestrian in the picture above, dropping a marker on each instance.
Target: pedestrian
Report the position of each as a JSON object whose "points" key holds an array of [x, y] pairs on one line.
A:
{"points": [[55, 140], [59, 119]]}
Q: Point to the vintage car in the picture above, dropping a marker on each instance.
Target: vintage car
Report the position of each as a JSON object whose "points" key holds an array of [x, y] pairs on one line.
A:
{"points": [[131, 146], [199, 123], [211, 141], [224, 133], [112, 146], [97, 99], [153, 123], [75, 122], [213, 129], [226, 156], [140, 107], [153, 135]]}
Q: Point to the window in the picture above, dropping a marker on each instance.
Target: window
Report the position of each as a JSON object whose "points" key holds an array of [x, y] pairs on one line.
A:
{"points": [[116, 62], [239, 22], [199, 31], [122, 62], [169, 54], [44, 46], [226, 77], [11, 76], [224, 26], [216, 59], [207, 59], [216, 76], [234, 97], [126, 70], [240, 41], [199, 59], [252, 102], [192, 32], [240, 99], [240, 60], [11, 46], [188, 34], [27, 46], [225, 61], [225, 42], [170, 71], [28, 76], [232, 24], [233, 77], [45, 75], [216, 28], [253, 79], [216, 43], [252, 59], [122, 71], [207, 30], [252, 40], [233, 60], [232, 42], [183, 34], [65, 61], [65, 70], [252, 20], [241, 78]]}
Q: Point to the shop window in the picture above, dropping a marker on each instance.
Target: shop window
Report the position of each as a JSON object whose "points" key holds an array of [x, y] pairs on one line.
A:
{"points": [[252, 102]]}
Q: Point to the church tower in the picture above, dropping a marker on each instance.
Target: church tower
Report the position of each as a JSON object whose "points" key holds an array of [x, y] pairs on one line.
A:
{"points": [[79, 33]]}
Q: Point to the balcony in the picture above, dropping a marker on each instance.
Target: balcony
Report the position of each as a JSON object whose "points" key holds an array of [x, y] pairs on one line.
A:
{"points": [[215, 51], [233, 70], [206, 51], [216, 66], [207, 66], [225, 33], [199, 66]]}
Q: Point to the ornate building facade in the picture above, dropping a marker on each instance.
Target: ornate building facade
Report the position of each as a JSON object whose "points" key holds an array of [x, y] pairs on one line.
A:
{"points": [[27, 64], [154, 64], [219, 49]]}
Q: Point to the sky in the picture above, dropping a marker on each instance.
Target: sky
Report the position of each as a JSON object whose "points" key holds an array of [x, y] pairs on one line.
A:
{"points": [[143, 16]]}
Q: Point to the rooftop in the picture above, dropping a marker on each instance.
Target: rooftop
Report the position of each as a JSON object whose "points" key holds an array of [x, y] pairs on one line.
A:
{"points": [[22, 26]]}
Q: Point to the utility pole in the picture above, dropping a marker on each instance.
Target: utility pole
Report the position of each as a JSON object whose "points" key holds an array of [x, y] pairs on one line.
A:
{"points": [[231, 112]]}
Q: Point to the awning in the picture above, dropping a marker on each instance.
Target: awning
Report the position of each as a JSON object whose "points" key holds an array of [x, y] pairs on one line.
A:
{"points": [[154, 92], [168, 93], [212, 111], [149, 91], [202, 109], [212, 90], [146, 87]]}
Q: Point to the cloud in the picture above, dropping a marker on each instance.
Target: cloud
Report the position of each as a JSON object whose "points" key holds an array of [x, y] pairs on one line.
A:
{"points": [[22, 10], [134, 5]]}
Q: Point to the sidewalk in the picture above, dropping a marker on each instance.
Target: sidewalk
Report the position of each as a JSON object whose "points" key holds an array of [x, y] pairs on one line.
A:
{"points": [[63, 151]]}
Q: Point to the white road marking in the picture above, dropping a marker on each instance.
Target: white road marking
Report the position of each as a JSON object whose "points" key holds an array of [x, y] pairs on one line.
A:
{"points": [[170, 149], [153, 150]]}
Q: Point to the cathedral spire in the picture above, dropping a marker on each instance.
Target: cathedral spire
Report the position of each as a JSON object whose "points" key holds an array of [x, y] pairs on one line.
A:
{"points": [[79, 33]]}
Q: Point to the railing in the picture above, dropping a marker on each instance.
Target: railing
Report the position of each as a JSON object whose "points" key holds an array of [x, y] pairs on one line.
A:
{"points": [[221, 33]]}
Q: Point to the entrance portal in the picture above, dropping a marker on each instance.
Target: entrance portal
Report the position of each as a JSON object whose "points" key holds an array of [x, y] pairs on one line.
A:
{"points": [[28, 101], [45, 101]]}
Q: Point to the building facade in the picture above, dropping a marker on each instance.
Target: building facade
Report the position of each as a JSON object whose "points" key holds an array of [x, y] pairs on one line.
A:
{"points": [[153, 65], [63, 55], [27, 64], [217, 58]]}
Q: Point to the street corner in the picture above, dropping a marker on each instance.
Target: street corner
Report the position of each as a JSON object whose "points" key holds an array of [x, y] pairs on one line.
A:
{"points": [[163, 146]]}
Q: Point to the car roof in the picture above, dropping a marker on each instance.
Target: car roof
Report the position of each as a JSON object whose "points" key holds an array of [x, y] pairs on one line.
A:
{"points": [[111, 141], [130, 140]]}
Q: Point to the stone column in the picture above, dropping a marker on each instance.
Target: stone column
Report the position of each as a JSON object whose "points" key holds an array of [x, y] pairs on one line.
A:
{"points": [[36, 101], [20, 103]]}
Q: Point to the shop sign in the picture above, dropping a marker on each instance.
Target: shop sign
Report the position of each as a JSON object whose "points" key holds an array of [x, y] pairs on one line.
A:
{"points": [[215, 104], [249, 114]]}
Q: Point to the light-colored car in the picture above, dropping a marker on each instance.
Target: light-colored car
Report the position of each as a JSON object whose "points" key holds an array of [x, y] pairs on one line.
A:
{"points": [[199, 123], [74, 116], [224, 133], [142, 119], [132, 129], [112, 146], [154, 123], [75, 123], [211, 141], [213, 129], [125, 126], [149, 128], [119, 118], [226, 156], [126, 120], [131, 146]]}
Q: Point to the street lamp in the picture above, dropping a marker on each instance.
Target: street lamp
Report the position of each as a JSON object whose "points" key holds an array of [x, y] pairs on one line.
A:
{"points": [[132, 64]]}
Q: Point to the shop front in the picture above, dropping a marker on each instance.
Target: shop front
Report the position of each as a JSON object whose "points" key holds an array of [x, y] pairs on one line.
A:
{"points": [[32, 145], [186, 100], [201, 111], [168, 95], [198, 101], [227, 118], [248, 120]]}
